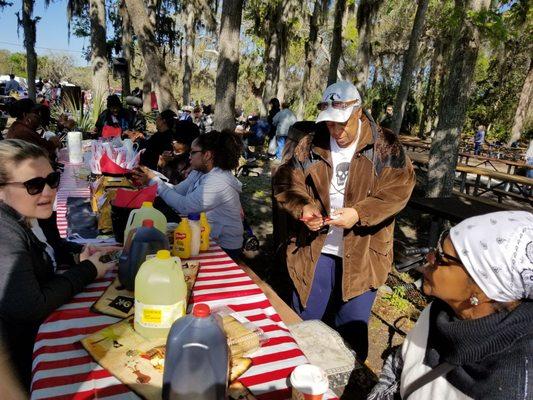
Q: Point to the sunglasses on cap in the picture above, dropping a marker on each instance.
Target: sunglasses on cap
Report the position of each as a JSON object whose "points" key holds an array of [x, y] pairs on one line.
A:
{"points": [[438, 256], [337, 105], [36, 185]]}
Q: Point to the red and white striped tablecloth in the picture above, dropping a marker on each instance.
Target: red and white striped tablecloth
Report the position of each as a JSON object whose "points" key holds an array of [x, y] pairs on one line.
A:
{"points": [[62, 369], [69, 186]]}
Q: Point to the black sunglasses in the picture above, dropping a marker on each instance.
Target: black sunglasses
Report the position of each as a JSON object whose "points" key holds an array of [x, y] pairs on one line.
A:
{"points": [[438, 256], [36, 185], [338, 105]]}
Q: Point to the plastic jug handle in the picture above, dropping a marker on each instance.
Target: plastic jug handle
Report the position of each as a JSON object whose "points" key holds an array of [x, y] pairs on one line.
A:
{"points": [[130, 219]]}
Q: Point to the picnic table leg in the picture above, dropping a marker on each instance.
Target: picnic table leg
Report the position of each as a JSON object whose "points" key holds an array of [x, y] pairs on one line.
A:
{"points": [[463, 182], [476, 185]]}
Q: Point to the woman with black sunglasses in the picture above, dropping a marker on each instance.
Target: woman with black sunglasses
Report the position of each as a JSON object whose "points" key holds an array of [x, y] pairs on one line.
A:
{"points": [[475, 340], [30, 288]]}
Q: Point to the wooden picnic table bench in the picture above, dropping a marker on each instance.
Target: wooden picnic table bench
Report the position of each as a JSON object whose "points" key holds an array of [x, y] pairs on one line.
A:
{"points": [[454, 209], [522, 183], [508, 181], [511, 165]]}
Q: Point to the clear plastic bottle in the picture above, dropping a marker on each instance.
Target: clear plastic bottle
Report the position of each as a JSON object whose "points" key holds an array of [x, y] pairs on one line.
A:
{"points": [[182, 239], [205, 231], [196, 358], [160, 295], [147, 211], [194, 223]]}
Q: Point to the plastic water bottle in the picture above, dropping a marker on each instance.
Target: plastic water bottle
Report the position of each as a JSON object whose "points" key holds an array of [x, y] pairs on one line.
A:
{"points": [[194, 223], [160, 295], [143, 242], [196, 359]]}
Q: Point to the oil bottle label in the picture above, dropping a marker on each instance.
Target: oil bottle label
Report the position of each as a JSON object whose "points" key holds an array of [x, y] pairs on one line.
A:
{"points": [[158, 316]]}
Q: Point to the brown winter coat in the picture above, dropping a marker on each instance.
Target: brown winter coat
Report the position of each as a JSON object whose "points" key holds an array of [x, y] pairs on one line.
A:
{"points": [[380, 182]]}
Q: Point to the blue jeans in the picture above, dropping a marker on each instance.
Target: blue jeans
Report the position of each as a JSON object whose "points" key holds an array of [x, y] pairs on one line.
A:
{"points": [[325, 302], [281, 144], [529, 173], [477, 148]]}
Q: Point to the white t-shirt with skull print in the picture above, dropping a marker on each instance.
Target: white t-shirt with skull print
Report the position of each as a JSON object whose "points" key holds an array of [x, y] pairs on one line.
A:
{"points": [[341, 159]]}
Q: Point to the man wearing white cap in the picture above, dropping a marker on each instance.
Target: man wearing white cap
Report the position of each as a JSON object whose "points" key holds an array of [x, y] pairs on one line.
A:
{"points": [[344, 184]]}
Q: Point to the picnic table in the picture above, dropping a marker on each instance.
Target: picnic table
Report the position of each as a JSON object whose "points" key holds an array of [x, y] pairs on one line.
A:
{"points": [[62, 369], [492, 162], [503, 188]]}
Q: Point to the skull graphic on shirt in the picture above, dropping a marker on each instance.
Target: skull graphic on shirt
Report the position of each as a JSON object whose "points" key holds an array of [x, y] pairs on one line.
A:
{"points": [[341, 173]]}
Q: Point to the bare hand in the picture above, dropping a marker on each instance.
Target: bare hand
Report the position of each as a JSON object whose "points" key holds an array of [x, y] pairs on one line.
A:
{"points": [[91, 249], [89, 253], [142, 175], [312, 218], [344, 218]]}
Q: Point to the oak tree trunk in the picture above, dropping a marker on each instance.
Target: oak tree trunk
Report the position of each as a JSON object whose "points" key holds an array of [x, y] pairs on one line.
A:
{"points": [[336, 42], [409, 64], [155, 66], [366, 13], [126, 41], [228, 64], [190, 38], [311, 49], [523, 105], [429, 95], [452, 110], [272, 60], [99, 61], [29, 27]]}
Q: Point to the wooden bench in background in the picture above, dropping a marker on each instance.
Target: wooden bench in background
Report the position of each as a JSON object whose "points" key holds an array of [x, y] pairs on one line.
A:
{"points": [[454, 209]]}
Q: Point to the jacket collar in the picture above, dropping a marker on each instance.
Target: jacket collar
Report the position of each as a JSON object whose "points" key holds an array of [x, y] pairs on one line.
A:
{"points": [[321, 145]]}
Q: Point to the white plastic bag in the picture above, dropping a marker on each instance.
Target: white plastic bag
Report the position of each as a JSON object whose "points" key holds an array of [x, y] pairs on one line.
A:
{"points": [[272, 146]]}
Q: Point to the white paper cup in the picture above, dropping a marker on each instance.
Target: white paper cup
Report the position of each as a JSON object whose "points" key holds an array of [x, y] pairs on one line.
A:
{"points": [[308, 382], [75, 153]]}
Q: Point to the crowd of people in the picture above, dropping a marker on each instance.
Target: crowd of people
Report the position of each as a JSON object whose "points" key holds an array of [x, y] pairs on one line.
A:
{"points": [[342, 180]]}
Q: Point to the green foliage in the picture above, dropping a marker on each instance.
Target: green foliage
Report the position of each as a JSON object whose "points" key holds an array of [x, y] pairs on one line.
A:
{"points": [[397, 298], [491, 24]]}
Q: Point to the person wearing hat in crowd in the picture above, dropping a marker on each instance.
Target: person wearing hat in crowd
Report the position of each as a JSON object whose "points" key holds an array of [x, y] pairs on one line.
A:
{"points": [[115, 115], [186, 113], [344, 184], [475, 340]]}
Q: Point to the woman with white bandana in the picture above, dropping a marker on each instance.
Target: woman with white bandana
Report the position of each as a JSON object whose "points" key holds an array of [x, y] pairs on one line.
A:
{"points": [[475, 340]]}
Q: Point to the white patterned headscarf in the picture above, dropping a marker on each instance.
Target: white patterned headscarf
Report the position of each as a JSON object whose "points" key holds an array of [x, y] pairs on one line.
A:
{"points": [[497, 251]]}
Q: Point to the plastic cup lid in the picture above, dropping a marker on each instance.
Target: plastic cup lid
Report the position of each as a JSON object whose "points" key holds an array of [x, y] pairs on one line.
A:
{"points": [[309, 379]]}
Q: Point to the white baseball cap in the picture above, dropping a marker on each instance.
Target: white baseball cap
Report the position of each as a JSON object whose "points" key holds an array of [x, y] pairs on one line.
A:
{"points": [[339, 91]]}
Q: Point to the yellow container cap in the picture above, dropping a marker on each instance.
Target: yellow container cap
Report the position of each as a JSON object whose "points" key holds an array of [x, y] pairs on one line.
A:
{"points": [[163, 254], [148, 204]]}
